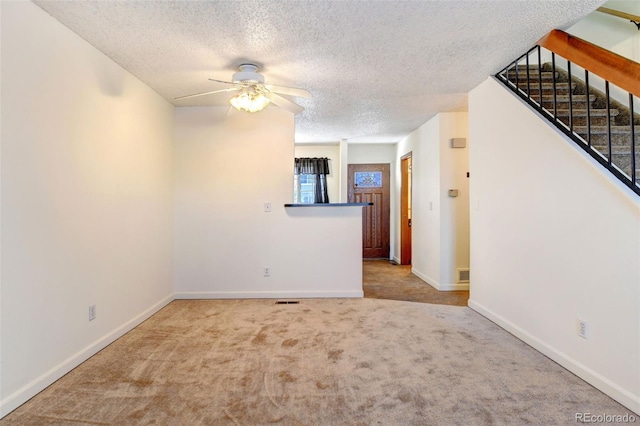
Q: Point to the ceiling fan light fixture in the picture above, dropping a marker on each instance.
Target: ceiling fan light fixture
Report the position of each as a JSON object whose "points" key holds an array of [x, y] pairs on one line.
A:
{"points": [[249, 101]]}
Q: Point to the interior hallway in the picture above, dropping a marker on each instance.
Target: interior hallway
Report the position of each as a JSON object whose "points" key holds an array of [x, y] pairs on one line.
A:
{"points": [[385, 280]]}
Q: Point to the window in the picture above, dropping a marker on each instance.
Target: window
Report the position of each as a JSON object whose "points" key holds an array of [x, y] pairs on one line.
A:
{"points": [[304, 189], [310, 180]]}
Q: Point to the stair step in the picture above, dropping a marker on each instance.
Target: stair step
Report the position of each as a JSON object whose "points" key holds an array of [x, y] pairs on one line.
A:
{"points": [[547, 83], [545, 86], [600, 142], [617, 143], [614, 150], [597, 117], [602, 130], [562, 89], [562, 101], [565, 98], [532, 67], [595, 112], [620, 160], [533, 73]]}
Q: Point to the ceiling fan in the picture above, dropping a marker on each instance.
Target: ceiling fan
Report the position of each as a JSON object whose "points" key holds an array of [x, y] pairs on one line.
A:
{"points": [[254, 95]]}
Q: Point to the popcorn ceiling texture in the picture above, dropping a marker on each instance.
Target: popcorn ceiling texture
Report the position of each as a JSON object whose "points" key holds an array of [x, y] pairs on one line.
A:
{"points": [[376, 70]]}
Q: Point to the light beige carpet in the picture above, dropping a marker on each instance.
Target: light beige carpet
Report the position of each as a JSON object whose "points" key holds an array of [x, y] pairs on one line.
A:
{"points": [[382, 279], [322, 362]]}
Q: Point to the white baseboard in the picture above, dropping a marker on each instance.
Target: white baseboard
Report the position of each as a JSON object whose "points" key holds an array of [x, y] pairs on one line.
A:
{"points": [[25, 393], [600, 382], [268, 294], [433, 283], [440, 287], [454, 287], [396, 259]]}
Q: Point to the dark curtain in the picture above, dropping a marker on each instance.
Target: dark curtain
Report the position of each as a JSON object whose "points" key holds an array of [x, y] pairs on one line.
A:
{"points": [[318, 167]]}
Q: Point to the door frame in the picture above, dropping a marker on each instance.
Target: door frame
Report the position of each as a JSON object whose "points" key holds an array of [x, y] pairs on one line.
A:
{"points": [[406, 187]]}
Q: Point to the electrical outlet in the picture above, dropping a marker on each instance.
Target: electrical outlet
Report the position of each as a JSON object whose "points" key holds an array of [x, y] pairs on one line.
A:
{"points": [[92, 312], [267, 207], [266, 271], [583, 328]]}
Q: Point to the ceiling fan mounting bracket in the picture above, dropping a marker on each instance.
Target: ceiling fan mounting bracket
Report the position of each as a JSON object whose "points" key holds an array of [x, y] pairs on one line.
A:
{"points": [[248, 66], [248, 73]]}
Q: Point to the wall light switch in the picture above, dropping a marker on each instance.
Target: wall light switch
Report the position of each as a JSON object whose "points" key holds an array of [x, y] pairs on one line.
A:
{"points": [[267, 207]]}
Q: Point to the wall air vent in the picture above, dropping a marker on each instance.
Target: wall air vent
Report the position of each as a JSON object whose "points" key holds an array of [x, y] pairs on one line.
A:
{"points": [[463, 275], [287, 302]]}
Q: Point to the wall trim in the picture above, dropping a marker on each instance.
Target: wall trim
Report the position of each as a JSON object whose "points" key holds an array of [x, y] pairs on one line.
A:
{"points": [[440, 287], [396, 259], [433, 283], [600, 382], [454, 287], [266, 294], [37, 385]]}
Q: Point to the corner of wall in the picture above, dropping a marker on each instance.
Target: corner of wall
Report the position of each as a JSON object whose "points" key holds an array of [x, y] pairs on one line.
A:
{"points": [[29, 390], [546, 220]]}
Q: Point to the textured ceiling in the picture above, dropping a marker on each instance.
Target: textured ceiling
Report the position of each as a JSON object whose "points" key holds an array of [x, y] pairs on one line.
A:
{"points": [[377, 70]]}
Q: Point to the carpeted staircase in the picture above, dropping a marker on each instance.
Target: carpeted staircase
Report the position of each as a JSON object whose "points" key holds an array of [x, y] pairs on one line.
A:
{"points": [[587, 118]]}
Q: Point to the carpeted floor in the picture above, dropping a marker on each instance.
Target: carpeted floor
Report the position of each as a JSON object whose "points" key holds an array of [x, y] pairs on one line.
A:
{"points": [[320, 362], [382, 279]]}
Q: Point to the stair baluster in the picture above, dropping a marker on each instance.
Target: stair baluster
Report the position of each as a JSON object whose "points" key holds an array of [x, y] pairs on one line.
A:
{"points": [[594, 120]]}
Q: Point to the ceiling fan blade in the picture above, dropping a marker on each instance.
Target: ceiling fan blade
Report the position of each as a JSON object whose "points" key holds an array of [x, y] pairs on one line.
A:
{"points": [[230, 89], [220, 81], [284, 103], [292, 91]]}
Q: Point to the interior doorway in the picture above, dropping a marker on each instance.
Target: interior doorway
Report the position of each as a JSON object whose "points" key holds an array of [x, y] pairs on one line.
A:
{"points": [[369, 183], [405, 210]]}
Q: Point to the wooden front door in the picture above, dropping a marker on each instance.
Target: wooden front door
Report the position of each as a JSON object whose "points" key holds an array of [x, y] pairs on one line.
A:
{"points": [[405, 210], [369, 183]]}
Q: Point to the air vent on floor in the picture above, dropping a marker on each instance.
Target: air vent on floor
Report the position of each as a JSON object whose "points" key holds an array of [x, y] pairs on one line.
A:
{"points": [[287, 302], [463, 275]]}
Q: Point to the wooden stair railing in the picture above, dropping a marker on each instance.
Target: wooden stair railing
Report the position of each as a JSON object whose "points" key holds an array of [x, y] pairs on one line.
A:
{"points": [[620, 14], [617, 69]]}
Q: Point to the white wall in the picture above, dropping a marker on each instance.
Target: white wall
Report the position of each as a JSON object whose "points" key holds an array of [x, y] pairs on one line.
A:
{"points": [[86, 201], [332, 152], [375, 153], [379, 154], [439, 225], [424, 145], [454, 212], [610, 32], [225, 170], [553, 239]]}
